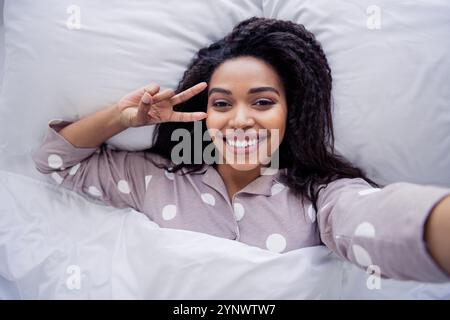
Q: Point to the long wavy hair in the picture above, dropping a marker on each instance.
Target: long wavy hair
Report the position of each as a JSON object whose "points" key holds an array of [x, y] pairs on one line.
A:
{"points": [[307, 150]]}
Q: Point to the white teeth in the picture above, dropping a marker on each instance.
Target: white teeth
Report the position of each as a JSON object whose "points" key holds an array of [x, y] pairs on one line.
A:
{"points": [[241, 144]]}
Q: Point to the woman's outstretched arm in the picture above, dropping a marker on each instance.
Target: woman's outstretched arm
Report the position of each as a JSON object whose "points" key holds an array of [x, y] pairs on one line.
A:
{"points": [[402, 230], [437, 234]]}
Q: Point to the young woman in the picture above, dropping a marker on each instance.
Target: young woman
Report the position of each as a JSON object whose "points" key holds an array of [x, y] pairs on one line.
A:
{"points": [[265, 86]]}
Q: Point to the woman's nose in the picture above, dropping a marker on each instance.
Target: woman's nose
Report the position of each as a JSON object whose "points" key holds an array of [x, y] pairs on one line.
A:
{"points": [[242, 118]]}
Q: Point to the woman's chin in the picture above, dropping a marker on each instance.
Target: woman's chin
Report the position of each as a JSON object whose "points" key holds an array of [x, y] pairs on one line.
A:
{"points": [[244, 166]]}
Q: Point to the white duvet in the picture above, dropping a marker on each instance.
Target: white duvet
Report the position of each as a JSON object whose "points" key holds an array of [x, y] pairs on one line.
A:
{"points": [[55, 244]]}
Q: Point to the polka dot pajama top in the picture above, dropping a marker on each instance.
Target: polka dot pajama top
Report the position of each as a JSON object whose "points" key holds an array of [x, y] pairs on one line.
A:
{"points": [[365, 225]]}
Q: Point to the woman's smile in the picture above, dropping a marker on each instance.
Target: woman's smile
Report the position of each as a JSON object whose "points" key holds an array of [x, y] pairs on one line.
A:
{"points": [[245, 143]]}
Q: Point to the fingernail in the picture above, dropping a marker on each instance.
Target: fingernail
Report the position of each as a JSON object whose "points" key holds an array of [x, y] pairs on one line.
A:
{"points": [[146, 98]]}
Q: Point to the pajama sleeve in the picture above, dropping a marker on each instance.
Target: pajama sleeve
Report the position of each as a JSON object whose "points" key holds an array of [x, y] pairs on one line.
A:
{"points": [[116, 178], [381, 227]]}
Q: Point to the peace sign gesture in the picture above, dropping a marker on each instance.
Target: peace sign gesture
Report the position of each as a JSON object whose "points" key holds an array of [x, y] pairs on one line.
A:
{"points": [[148, 106]]}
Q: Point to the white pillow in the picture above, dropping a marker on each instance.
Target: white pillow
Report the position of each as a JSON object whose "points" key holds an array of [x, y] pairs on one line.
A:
{"points": [[391, 71], [69, 58]]}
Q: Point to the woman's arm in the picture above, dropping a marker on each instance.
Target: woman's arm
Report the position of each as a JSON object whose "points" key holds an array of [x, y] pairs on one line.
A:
{"points": [[386, 227], [437, 234], [94, 130]]}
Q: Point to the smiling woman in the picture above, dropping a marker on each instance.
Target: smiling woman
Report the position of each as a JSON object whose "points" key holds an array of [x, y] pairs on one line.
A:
{"points": [[295, 111], [269, 88]]}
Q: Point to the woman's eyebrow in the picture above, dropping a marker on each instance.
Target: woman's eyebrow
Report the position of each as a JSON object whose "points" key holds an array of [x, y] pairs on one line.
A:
{"points": [[219, 90], [262, 89], [252, 90]]}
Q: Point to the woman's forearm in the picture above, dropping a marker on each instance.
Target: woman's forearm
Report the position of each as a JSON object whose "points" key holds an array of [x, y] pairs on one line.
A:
{"points": [[95, 129], [437, 234]]}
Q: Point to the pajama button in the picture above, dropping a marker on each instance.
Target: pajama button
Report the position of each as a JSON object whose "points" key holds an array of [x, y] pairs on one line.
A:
{"points": [[54, 161]]}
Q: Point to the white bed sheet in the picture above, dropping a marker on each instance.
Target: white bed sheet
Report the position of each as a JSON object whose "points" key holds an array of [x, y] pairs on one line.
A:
{"points": [[50, 235]]}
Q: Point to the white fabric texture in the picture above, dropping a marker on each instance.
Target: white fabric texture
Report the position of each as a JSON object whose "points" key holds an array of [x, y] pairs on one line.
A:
{"points": [[390, 62], [66, 59], [53, 236]]}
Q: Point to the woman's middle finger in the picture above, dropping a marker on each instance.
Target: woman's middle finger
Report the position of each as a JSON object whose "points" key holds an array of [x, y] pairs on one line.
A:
{"points": [[188, 94], [163, 95]]}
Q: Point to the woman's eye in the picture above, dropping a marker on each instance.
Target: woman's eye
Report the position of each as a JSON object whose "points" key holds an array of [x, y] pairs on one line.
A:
{"points": [[261, 102], [265, 102], [220, 104]]}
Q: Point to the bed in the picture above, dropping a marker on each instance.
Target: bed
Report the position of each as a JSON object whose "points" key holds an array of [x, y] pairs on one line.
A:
{"points": [[65, 59]]}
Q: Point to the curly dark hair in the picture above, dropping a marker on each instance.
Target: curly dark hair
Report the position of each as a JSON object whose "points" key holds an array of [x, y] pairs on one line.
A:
{"points": [[307, 151]]}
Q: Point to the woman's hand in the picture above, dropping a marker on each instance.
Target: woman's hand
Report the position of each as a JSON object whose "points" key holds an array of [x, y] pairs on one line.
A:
{"points": [[437, 234], [148, 106]]}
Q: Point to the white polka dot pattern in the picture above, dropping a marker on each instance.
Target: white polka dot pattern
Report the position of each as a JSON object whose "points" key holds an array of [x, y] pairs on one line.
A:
{"points": [[208, 199], [147, 180], [94, 191], [368, 191], [74, 169], [362, 256], [239, 211], [169, 212], [57, 178], [123, 186], [312, 213], [277, 188], [276, 243], [366, 230]]}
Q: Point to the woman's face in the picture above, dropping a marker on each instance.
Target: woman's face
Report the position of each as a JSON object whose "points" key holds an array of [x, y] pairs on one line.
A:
{"points": [[247, 112]]}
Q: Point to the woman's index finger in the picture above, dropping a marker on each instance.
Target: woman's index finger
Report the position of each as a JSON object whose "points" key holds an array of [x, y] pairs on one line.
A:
{"points": [[188, 94]]}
